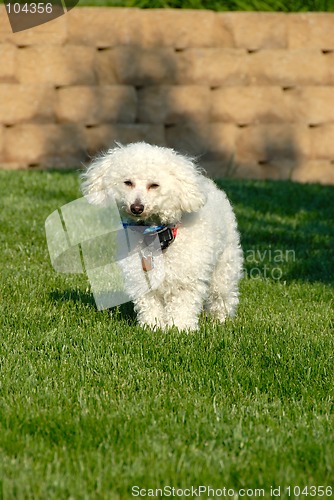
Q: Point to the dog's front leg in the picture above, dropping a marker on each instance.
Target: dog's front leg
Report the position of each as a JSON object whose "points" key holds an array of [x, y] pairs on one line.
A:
{"points": [[182, 310], [150, 310]]}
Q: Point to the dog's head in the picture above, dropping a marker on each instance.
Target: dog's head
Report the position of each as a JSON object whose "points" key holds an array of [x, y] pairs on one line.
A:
{"points": [[148, 183]]}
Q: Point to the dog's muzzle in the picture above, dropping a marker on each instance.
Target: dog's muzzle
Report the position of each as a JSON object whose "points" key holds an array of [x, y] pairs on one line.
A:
{"points": [[137, 208]]}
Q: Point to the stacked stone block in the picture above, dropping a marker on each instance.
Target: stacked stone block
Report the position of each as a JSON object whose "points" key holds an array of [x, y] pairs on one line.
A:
{"points": [[250, 94]]}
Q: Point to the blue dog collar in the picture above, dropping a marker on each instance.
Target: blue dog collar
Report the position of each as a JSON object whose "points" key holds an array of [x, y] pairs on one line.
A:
{"points": [[148, 230], [166, 234]]}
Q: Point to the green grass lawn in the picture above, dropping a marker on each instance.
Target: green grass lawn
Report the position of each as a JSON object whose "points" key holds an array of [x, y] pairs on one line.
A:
{"points": [[218, 5], [91, 406]]}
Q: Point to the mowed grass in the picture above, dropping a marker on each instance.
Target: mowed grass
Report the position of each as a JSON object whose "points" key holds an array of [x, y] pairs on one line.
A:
{"points": [[215, 5], [218, 5], [92, 405]]}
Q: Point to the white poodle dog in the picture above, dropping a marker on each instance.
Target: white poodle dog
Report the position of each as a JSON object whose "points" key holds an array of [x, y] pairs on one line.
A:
{"points": [[159, 188]]}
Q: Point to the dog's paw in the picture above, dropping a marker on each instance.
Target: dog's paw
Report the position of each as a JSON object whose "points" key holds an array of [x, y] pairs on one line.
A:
{"points": [[183, 324]]}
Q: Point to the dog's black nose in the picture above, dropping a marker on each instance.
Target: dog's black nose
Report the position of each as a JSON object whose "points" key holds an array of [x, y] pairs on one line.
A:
{"points": [[137, 208]]}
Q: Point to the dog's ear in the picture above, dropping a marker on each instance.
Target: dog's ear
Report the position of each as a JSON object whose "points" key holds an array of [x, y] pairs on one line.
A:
{"points": [[93, 184], [190, 188]]}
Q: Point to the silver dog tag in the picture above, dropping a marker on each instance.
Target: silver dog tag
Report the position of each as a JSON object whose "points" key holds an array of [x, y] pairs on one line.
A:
{"points": [[147, 263]]}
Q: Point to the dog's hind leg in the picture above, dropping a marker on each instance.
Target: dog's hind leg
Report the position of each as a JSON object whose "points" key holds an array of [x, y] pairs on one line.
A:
{"points": [[223, 296]]}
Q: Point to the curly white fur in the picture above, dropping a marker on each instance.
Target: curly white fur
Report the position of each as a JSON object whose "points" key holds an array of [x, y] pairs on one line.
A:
{"points": [[203, 265]]}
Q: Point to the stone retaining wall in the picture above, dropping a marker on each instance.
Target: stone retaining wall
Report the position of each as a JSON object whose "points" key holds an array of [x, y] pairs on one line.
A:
{"points": [[252, 94]]}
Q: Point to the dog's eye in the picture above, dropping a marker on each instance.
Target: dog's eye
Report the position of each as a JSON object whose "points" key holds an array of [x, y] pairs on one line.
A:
{"points": [[128, 183], [154, 185]]}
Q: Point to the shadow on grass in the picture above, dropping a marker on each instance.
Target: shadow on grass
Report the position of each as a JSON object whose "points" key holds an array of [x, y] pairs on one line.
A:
{"points": [[287, 229], [75, 296], [125, 311]]}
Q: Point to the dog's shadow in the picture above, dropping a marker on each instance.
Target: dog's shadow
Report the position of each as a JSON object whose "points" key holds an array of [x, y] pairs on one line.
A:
{"points": [[124, 311]]}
